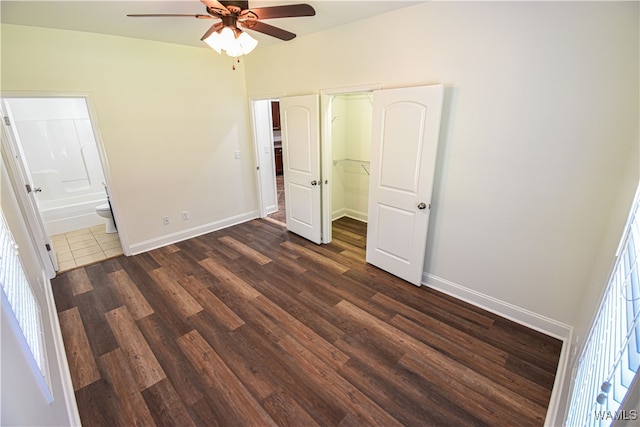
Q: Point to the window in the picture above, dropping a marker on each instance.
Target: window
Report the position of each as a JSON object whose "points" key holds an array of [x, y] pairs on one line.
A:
{"points": [[610, 359], [22, 308]]}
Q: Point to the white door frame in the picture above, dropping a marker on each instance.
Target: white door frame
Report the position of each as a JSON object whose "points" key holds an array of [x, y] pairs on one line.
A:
{"points": [[326, 161], [261, 132], [113, 197]]}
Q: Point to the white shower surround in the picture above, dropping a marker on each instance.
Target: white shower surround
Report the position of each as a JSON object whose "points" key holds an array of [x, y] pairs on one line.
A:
{"points": [[58, 142]]}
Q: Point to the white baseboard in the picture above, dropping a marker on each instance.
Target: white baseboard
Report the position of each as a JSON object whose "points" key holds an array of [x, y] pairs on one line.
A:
{"points": [[360, 216], [68, 393], [168, 239], [349, 213], [519, 315], [555, 417]]}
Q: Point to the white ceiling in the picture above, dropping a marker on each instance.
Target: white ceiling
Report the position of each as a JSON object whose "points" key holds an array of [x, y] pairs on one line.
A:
{"points": [[109, 17]]}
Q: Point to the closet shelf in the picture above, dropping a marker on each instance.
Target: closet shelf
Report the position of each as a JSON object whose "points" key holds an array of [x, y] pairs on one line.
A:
{"points": [[351, 162]]}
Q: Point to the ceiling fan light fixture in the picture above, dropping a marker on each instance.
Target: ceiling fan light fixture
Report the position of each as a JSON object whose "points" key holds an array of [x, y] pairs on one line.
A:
{"points": [[247, 43], [225, 34], [233, 41], [214, 41]]}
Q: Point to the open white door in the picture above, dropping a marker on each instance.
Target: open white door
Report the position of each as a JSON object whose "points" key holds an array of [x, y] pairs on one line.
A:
{"points": [[264, 155], [404, 142], [301, 160], [26, 193]]}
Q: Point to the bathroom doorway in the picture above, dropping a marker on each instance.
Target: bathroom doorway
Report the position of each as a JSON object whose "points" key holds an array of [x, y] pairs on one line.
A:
{"points": [[57, 143]]}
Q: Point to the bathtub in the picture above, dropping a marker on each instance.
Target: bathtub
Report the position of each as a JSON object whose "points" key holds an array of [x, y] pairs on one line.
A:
{"points": [[72, 213]]}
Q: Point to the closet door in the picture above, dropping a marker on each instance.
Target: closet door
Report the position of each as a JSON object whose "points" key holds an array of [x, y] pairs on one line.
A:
{"points": [[299, 117], [404, 140]]}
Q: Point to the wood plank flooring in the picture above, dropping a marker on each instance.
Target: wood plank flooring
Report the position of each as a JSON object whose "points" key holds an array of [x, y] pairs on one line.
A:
{"points": [[255, 326]]}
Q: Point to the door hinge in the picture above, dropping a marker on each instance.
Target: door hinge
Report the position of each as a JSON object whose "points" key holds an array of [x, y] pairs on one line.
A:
{"points": [[48, 246], [28, 188], [7, 121]]}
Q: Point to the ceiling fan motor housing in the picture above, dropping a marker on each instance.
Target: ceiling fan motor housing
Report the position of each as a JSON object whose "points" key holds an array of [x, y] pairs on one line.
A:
{"points": [[236, 6]]}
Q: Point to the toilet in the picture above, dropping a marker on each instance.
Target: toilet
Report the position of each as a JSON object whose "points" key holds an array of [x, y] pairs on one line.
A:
{"points": [[104, 211]]}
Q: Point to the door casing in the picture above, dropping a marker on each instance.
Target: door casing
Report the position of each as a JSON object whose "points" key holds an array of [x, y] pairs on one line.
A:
{"points": [[265, 165]]}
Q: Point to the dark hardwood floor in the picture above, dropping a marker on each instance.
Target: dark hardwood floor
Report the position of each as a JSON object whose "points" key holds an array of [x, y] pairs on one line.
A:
{"points": [[255, 326]]}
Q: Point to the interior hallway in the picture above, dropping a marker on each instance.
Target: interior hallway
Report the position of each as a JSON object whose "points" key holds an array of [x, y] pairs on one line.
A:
{"points": [[280, 215]]}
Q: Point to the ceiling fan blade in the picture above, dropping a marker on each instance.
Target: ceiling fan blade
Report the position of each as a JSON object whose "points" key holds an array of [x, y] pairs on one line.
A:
{"points": [[269, 30], [211, 30], [167, 15], [284, 11], [216, 6]]}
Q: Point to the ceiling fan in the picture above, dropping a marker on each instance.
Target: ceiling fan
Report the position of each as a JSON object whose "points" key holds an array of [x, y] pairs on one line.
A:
{"points": [[225, 35]]}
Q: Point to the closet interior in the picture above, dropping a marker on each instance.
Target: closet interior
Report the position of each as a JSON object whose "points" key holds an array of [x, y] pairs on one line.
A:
{"points": [[351, 116]]}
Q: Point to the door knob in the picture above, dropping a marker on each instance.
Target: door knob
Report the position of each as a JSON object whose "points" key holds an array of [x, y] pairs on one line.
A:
{"points": [[314, 182], [422, 205]]}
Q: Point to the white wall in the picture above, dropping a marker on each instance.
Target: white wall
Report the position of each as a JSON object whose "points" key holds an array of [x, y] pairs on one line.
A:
{"points": [[170, 117], [540, 119]]}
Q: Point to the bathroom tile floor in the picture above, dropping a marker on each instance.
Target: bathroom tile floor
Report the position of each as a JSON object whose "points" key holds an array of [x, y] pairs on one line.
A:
{"points": [[82, 247]]}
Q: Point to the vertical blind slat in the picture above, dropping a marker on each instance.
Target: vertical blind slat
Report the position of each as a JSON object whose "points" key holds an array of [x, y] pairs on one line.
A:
{"points": [[612, 350], [17, 289]]}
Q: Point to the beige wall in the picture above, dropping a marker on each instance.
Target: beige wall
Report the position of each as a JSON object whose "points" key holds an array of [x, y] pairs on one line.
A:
{"points": [[541, 117], [171, 118]]}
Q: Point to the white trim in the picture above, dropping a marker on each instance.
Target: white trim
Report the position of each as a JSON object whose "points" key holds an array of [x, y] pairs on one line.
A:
{"points": [[559, 384], [168, 239], [504, 309], [349, 213], [254, 104], [61, 356]]}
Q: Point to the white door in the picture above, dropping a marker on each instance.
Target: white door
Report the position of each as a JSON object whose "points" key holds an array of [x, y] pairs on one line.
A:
{"points": [[404, 142], [301, 159], [264, 154], [26, 194]]}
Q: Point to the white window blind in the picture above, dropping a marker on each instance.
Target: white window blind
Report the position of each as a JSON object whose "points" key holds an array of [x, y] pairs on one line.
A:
{"points": [[611, 356], [22, 307]]}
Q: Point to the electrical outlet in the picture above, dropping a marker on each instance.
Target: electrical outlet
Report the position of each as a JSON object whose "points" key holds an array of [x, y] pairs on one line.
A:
{"points": [[165, 220], [185, 215], [238, 155]]}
